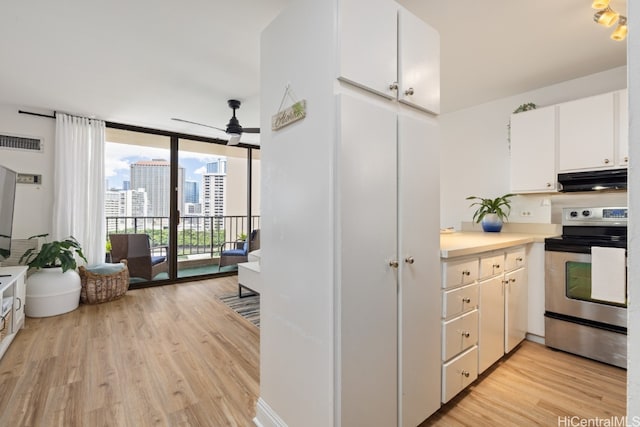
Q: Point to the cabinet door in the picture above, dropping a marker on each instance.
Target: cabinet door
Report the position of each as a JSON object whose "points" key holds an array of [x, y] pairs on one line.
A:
{"points": [[368, 44], [418, 63], [586, 133], [533, 151], [368, 301], [515, 308], [491, 334], [18, 304], [623, 128], [419, 253]]}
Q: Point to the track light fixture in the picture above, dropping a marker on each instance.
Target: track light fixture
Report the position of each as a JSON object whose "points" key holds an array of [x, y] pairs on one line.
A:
{"points": [[607, 16]]}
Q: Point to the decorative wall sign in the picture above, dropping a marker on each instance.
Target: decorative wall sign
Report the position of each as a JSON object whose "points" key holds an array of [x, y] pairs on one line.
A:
{"points": [[297, 111]]}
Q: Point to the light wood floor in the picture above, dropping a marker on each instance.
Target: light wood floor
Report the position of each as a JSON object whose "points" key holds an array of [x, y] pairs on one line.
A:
{"points": [[176, 356], [167, 356]]}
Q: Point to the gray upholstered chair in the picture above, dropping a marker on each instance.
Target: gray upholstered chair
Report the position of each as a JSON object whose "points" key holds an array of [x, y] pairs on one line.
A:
{"points": [[136, 249], [231, 254]]}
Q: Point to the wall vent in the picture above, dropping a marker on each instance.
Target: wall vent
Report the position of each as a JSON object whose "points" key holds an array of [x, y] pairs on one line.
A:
{"points": [[14, 142]]}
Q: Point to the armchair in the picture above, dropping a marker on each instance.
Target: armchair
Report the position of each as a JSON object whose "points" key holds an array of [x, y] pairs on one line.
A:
{"points": [[231, 254], [136, 249]]}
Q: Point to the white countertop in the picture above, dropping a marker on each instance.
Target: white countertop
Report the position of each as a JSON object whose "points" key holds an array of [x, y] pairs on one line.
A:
{"points": [[474, 242]]}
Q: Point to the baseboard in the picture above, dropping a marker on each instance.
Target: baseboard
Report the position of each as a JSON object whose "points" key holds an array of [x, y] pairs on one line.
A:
{"points": [[535, 338], [267, 417]]}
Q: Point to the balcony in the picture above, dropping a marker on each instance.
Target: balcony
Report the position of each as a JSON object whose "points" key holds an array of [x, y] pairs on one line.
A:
{"points": [[199, 237]]}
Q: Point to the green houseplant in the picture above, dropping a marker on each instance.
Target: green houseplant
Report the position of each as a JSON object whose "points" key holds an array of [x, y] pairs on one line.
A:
{"points": [[491, 212], [59, 253], [54, 287]]}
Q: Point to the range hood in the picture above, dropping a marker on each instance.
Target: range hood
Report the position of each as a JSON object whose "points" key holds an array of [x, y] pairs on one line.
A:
{"points": [[611, 179]]}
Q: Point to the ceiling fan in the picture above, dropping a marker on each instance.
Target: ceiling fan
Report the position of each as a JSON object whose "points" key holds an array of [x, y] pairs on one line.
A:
{"points": [[233, 129]]}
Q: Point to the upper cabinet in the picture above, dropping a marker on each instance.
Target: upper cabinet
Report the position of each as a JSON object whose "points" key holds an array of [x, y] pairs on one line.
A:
{"points": [[586, 133], [623, 127], [533, 151], [401, 54]]}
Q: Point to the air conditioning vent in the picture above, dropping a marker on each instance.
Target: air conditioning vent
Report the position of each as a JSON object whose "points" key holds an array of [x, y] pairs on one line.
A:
{"points": [[20, 143]]}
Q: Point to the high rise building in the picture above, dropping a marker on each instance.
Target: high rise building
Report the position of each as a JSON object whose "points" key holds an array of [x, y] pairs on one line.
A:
{"points": [[120, 204], [191, 193], [213, 195], [217, 166], [126, 185], [154, 176]]}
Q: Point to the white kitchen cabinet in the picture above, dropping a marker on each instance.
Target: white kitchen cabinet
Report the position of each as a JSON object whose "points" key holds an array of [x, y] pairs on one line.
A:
{"points": [[533, 151], [516, 315], [491, 342], [459, 372], [391, 52], [586, 134], [392, 271], [365, 181], [622, 123]]}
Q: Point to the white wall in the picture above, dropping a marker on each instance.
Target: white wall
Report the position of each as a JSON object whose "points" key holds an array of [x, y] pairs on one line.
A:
{"points": [[633, 350], [34, 203], [475, 152]]}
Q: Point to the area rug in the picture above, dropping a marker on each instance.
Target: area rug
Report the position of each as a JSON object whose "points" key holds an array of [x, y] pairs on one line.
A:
{"points": [[248, 307]]}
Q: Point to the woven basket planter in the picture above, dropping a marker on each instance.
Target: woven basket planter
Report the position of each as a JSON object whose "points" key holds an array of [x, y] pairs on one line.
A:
{"points": [[99, 287]]}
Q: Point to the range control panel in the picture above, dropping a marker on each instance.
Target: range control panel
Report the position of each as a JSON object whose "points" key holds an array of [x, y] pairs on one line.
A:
{"points": [[595, 216]]}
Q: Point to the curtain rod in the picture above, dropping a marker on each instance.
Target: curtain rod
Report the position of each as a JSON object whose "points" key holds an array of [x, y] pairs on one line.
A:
{"points": [[141, 129]]}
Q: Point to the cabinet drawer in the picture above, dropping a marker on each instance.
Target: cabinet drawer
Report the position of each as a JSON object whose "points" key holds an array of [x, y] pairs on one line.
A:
{"points": [[459, 373], [515, 259], [458, 273], [457, 301], [459, 334], [491, 265]]}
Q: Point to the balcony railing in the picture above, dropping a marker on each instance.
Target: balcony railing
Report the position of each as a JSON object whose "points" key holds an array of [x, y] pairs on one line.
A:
{"points": [[197, 235]]}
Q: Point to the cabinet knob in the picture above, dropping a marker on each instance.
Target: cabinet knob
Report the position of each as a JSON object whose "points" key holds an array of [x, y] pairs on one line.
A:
{"points": [[393, 264], [466, 273], [393, 86], [465, 373], [626, 160], [496, 265], [519, 259], [606, 161], [466, 300], [465, 334], [409, 260], [548, 185], [512, 280], [409, 91]]}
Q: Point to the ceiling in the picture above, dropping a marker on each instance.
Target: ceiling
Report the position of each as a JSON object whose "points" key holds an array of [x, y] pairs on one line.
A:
{"points": [[146, 61]]}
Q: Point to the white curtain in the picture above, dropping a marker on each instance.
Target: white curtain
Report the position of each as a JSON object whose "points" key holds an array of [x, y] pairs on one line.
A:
{"points": [[78, 205]]}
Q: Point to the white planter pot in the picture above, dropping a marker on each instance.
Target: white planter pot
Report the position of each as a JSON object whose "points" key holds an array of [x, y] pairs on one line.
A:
{"points": [[51, 292]]}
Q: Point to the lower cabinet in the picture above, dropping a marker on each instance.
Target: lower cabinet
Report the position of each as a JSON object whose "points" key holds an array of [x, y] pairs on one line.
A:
{"points": [[484, 314]]}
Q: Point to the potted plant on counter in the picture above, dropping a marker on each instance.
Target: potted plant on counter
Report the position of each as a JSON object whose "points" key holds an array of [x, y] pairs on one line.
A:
{"points": [[491, 213], [54, 287]]}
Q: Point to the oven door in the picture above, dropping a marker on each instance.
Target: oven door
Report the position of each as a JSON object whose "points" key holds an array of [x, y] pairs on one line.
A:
{"points": [[568, 290]]}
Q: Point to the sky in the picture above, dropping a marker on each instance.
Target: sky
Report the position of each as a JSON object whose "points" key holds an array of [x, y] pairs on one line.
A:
{"points": [[119, 157]]}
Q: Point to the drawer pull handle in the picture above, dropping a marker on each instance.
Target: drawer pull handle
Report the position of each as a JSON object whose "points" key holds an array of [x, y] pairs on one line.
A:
{"points": [[466, 273], [465, 334], [466, 300], [465, 373], [20, 306]]}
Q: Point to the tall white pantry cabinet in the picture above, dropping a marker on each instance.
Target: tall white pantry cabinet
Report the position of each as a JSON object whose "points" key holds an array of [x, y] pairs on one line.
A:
{"points": [[350, 312]]}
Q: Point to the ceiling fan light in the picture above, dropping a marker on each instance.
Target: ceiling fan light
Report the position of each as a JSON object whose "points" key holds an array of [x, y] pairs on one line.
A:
{"points": [[620, 32], [600, 4], [234, 139], [606, 17]]}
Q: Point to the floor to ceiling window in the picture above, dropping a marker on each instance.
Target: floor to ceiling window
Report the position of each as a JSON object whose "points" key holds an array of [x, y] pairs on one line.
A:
{"points": [[188, 197]]}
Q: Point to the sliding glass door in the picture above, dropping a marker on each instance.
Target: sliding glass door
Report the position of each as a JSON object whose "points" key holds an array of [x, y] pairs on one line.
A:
{"points": [[193, 200]]}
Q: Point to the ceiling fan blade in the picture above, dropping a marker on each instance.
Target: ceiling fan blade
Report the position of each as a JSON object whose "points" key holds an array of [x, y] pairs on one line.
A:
{"points": [[250, 130], [196, 123]]}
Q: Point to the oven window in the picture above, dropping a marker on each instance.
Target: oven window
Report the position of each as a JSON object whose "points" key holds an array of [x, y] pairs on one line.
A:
{"points": [[578, 279]]}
